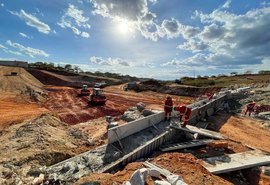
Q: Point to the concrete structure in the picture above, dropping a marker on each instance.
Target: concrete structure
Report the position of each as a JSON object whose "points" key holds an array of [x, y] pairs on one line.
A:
{"points": [[122, 131], [238, 161], [13, 63], [200, 131], [183, 145]]}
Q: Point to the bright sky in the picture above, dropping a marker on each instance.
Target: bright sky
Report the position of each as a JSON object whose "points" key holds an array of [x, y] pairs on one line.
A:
{"points": [[163, 39]]}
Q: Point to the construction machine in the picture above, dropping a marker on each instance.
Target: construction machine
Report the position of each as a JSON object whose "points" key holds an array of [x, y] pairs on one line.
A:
{"points": [[97, 97], [85, 91]]}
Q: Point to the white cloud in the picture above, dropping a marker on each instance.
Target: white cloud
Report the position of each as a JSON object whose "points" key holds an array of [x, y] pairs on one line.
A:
{"points": [[2, 4], [136, 12], [24, 35], [32, 52], [227, 40], [3, 47], [32, 21], [227, 4], [109, 61], [74, 19]]}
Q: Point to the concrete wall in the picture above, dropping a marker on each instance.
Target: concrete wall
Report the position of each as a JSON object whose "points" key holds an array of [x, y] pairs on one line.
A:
{"points": [[200, 110], [133, 127], [13, 63]]}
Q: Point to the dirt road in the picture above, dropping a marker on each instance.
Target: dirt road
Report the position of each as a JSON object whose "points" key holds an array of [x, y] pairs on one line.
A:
{"points": [[74, 109]]}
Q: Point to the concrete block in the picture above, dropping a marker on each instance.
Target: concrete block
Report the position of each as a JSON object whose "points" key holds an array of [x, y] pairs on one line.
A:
{"points": [[154, 173], [158, 182], [139, 177], [238, 161], [133, 127], [173, 179]]}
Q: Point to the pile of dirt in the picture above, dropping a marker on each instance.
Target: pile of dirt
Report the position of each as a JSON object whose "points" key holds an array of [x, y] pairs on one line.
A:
{"points": [[109, 179], [188, 167], [185, 165], [18, 81], [43, 141]]}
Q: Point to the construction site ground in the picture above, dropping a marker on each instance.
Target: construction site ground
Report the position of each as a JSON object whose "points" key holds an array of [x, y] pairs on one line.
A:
{"points": [[35, 133]]}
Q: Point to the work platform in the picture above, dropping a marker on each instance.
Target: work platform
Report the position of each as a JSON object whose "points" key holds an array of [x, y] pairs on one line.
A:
{"points": [[200, 131], [238, 161]]}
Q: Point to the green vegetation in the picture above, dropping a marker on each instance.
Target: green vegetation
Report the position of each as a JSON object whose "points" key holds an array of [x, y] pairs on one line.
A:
{"points": [[225, 81]]}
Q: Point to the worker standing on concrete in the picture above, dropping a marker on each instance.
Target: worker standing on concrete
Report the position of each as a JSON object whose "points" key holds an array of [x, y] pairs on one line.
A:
{"points": [[168, 105], [250, 108], [210, 95], [184, 111]]}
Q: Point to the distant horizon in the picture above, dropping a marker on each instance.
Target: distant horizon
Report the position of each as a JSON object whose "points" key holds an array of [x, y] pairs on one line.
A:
{"points": [[143, 38]]}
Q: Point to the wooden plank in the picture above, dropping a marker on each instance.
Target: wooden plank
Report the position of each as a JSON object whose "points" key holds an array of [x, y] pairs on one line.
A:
{"points": [[183, 145], [238, 161], [201, 131]]}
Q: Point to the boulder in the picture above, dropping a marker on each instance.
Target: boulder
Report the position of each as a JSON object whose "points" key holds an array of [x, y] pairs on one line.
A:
{"points": [[140, 106], [129, 116]]}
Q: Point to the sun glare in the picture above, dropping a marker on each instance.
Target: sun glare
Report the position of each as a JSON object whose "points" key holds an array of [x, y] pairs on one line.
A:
{"points": [[123, 27]]}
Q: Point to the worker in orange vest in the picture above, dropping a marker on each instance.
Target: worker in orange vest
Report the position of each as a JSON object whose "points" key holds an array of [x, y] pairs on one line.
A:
{"points": [[250, 108], [184, 111], [168, 105], [210, 95]]}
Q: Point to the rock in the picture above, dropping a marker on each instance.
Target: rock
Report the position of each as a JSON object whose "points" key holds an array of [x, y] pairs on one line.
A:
{"points": [[147, 112], [173, 179], [154, 173], [140, 106], [218, 144], [132, 109], [131, 115], [126, 183], [91, 183], [139, 177], [158, 182], [38, 180], [265, 170]]}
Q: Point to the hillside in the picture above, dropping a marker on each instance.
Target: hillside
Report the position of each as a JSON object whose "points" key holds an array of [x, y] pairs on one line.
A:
{"points": [[62, 78]]}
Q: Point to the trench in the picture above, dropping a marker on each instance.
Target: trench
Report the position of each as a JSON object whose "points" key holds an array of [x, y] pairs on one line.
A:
{"points": [[114, 156]]}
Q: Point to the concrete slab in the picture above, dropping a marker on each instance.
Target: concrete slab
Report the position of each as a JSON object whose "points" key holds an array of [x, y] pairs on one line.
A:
{"points": [[238, 161], [210, 111], [202, 124], [201, 131], [133, 127], [183, 145]]}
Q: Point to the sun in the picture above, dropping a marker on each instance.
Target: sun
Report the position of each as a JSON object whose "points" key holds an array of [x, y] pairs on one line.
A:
{"points": [[123, 27]]}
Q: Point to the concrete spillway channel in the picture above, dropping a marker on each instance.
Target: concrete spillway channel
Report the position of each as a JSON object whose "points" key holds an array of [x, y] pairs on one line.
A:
{"points": [[137, 140]]}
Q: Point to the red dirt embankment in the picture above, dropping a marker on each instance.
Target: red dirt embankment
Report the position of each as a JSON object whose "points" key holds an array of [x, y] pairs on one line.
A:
{"points": [[242, 129]]}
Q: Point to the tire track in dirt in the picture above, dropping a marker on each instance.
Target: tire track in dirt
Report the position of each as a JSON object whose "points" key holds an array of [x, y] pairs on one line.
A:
{"points": [[72, 108]]}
